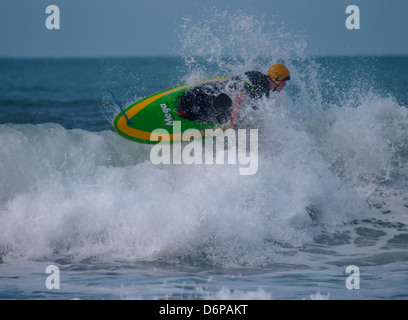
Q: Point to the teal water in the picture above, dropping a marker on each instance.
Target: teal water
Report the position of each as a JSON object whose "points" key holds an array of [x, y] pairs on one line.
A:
{"points": [[330, 191], [72, 92]]}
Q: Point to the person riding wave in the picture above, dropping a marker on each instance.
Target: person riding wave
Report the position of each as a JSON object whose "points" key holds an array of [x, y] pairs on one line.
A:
{"points": [[219, 101]]}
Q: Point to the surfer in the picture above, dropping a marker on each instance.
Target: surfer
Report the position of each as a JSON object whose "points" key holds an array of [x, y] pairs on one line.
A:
{"points": [[219, 101]]}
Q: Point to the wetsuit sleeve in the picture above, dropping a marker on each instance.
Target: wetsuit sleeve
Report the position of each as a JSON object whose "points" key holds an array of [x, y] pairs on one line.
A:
{"points": [[257, 84]]}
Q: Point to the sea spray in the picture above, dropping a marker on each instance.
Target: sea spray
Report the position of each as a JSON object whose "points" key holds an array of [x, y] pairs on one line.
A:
{"points": [[218, 144], [331, 179]]}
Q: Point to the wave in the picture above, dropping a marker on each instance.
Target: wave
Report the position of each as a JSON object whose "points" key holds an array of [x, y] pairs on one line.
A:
{"points": [[331, 181], [75, 194]]}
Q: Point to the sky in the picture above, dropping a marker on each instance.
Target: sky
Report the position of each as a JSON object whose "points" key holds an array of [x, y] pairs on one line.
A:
{"points": [[100, 28]]}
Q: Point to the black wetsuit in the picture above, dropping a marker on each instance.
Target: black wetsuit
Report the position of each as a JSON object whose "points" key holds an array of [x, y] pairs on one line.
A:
{"points": [[213, 101]]}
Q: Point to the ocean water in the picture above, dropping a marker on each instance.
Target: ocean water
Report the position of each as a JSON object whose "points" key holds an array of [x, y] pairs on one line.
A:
{"points": [[331, 190]]}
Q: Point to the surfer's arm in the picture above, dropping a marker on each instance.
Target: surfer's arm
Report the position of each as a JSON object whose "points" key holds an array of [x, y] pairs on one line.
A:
{"points": [[237, 102]]}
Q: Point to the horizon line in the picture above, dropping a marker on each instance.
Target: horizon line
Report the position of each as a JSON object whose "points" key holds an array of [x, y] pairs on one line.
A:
{"points": [[144, 56]]}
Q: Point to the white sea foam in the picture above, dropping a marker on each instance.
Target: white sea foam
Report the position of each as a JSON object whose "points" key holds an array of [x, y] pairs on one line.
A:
{"points": [[82, 194], [322, 166]]}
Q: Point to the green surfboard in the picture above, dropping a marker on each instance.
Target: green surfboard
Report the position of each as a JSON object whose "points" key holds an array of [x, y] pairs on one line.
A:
{"points": [[159, 111]]}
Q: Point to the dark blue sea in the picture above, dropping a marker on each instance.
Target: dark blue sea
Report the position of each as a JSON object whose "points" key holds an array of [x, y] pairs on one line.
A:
{"points": [[331, 190]]}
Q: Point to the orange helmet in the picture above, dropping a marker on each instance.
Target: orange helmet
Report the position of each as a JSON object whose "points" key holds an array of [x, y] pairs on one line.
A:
{"points": [[278, 73]]}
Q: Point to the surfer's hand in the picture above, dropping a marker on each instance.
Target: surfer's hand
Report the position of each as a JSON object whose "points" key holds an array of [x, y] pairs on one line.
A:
{"points": [[237, 102], [239, 98]]}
